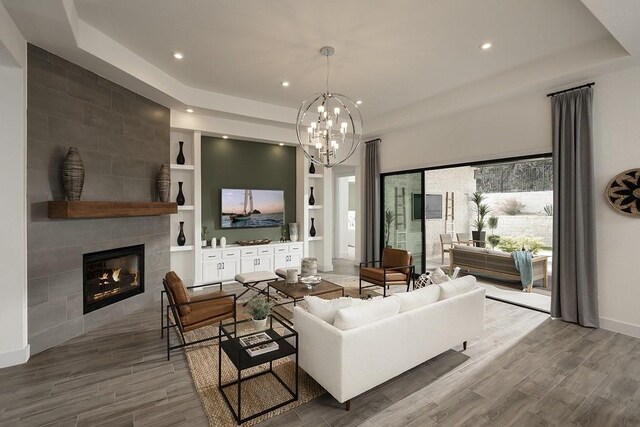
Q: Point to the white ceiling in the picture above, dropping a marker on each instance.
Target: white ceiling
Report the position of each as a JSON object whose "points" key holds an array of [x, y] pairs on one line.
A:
{"points": [[389, 54], [408, 60]]}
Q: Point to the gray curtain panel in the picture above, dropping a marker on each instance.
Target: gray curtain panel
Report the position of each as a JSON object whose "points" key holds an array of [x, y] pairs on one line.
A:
{"points": [[372, 201], [574, 292]]}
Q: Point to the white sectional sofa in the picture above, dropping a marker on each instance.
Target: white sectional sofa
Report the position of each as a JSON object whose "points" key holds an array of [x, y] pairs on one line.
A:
{"points": [[349, 362]]}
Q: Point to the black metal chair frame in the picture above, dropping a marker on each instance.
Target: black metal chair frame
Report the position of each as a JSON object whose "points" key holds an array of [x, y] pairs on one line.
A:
{"points": [[178, 326], [384, 280], [164, 292]]}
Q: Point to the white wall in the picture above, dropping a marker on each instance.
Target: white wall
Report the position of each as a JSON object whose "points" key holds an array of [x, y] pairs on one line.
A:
{"points": [[13, 270], [515, 127], [616, 113], [522, 126]]}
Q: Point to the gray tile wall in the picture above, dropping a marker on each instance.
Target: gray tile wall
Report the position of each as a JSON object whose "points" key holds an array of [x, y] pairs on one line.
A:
{"points": [[123, 138]]}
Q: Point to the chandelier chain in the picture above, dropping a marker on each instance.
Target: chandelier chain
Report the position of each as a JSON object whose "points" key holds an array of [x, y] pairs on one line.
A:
{"points": [[328, 71]]}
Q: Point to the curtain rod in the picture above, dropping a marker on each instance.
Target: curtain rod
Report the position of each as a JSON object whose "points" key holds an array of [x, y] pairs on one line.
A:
{"points": [[373, 140], [570, 89]]}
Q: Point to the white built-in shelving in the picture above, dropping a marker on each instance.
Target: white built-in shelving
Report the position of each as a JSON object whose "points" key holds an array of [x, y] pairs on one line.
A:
{"points": [[185, 248]]}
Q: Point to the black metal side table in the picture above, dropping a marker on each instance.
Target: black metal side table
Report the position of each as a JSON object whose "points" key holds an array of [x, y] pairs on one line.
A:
{"points": [[282, 334]]}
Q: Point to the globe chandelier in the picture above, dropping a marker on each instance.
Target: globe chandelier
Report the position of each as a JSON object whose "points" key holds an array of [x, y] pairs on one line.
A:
{"points": [[329, 125]]}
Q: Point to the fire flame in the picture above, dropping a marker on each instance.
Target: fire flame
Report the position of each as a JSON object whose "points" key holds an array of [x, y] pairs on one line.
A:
{"points": [[116, 275], [105, 276]]}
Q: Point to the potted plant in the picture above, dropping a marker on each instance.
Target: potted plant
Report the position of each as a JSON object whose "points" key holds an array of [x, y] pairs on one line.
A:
{"points": [[492, 222], [389, 217], [259, 309], [203, 235], [482, 210]]}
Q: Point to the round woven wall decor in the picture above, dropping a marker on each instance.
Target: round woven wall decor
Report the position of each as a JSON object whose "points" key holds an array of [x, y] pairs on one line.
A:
{"points": [[623, 192]]}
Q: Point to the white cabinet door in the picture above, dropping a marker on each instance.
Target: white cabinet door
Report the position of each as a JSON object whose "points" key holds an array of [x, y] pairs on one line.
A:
{"points": [[228, 270], [264, 263], [211, 271], [248, 264], [280, 261], [293, 260]]}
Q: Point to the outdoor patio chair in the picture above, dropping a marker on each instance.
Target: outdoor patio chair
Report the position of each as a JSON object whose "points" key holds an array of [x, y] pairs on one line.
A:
{"points": [[464, 238], [446, 243]]}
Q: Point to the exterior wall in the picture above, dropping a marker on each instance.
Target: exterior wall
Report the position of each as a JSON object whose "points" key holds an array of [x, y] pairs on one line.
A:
{"points": [[412, 184], [461, 182], [533, 201], [525, 225], [123, 139]]}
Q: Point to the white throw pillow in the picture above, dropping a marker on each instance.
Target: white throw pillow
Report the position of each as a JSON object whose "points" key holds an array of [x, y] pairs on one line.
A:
{"points": [[418, 298], [367, 312], [438, 276], [458, 286], [325, 309]]}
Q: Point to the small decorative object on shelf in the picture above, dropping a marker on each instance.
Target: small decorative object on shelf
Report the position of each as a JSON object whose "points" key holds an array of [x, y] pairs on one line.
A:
{"points": [[180, 159], [312, 232], [181, 238], [253, 242], [312, 167], [164, 183], [293, 231], [214, 242], [223, 242], [312, 200], [283, 233], [259, 310], [203, 236], [73, 175], [180, 198]]}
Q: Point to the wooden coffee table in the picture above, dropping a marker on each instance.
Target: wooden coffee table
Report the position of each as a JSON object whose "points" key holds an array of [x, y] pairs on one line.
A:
{"points": [[297, 291]]}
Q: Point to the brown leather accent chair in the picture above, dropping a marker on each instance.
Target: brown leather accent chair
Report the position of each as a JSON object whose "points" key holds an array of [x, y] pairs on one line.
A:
{"points": [[395, 268], [190, 312]]}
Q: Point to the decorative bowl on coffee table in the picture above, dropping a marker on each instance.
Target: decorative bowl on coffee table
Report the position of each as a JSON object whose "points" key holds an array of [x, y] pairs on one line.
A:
{"points": [[310, 281]]}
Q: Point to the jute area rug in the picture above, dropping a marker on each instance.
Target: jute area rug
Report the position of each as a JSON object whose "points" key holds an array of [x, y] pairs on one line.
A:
{"points": [[258, 393]]}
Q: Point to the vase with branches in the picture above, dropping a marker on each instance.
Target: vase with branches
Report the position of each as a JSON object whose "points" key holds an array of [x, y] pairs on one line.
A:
{"points": [[482, 210]]}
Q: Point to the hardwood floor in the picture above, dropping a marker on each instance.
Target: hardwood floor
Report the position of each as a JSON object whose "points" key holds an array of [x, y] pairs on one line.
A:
{"points": [[525, 370]]}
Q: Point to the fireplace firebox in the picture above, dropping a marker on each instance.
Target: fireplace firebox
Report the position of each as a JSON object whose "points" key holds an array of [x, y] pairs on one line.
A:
{"points": [[112, 275]]}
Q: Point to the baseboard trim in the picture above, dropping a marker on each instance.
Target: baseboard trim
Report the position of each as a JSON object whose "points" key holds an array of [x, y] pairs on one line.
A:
{"points": [[15, 357], [621, 327]]}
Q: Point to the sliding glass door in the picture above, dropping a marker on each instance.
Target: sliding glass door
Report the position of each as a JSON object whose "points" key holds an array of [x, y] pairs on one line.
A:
{"points": [[402, 213]]}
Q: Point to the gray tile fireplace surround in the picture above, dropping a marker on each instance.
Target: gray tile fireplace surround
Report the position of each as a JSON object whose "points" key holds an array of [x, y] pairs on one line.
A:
{"points": [[123, 138]]}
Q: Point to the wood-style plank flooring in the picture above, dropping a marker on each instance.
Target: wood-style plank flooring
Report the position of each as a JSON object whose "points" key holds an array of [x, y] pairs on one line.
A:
{"points": [[525, 370]]}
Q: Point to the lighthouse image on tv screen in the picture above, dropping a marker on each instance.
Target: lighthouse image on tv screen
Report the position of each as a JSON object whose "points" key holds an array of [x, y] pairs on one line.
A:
{"points": [[252, 208]]}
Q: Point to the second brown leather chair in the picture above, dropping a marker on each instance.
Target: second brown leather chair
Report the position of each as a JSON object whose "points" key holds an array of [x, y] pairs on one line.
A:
{"points": [[395, 268]]}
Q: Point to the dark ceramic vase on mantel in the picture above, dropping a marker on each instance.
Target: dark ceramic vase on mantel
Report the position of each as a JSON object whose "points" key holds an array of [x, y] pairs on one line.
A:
{"points": [[180, 159], [312, 232], [164, 183], [312, 200], [181, 238], [180, 199], [73, 175]]}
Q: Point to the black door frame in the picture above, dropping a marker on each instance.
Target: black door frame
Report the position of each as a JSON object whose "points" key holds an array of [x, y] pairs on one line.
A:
{"points": [[423, 258]]}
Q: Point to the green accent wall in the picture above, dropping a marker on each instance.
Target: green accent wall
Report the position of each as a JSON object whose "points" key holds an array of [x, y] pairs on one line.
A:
{"points": [[229, 163]]}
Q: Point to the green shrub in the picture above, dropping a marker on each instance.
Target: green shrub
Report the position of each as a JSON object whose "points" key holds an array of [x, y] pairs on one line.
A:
{"points": [[512, 244], [493, 240], [548, 210], [512, 206]]}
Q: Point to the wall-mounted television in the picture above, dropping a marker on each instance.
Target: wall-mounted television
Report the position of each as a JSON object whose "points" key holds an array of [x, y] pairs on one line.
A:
{"points": [[247, 208]]}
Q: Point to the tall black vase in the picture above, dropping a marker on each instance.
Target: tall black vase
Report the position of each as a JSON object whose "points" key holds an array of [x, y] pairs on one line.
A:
{"points": [[312, 200], [180, 199], [312, 167], [181, 239], [312, 232], [180, 159]]}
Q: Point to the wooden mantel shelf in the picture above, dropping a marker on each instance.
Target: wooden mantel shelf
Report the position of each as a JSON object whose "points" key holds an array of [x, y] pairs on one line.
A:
{"points": [[88, 209]]}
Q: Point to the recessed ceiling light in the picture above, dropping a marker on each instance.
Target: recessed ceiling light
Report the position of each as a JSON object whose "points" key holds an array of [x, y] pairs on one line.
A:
{"points": [[285, 84], [189, 110], [359, 102], [178, 55], [224, 137], [281, 144], [485, 46]]}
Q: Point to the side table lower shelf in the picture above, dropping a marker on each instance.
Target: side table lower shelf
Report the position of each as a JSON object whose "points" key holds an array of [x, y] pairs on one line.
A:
{"points": [[241, 360]]}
